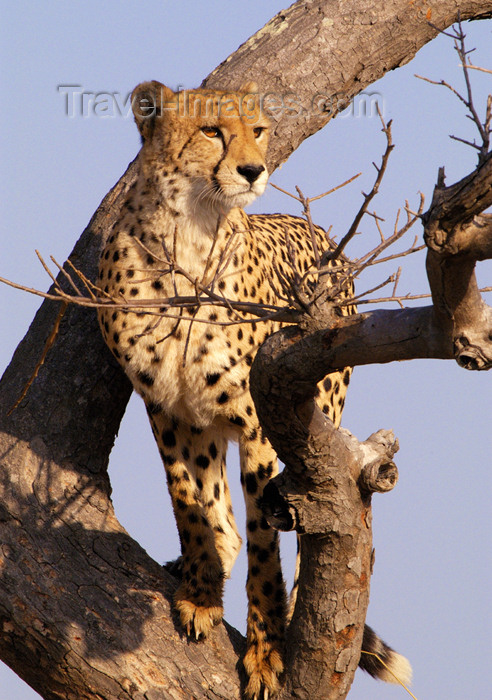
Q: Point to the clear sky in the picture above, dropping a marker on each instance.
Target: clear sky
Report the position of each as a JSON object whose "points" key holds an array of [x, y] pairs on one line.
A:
{"points": [[430, 595]]}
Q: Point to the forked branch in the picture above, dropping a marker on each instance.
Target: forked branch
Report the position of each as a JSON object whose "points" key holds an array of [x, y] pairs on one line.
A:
{"points": [[483, 127], [312, 493]]}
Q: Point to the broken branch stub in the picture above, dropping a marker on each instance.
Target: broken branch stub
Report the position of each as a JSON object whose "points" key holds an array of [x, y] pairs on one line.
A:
{"points": [[379, 473], [458, 234], [312, 501], [324, 493], [455, 223]]}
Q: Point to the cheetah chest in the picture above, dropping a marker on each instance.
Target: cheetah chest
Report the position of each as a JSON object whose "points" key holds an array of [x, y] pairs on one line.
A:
{"points": [[191, 363]]}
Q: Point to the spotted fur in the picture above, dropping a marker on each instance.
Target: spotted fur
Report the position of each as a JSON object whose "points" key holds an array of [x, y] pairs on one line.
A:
{"points": [[202, 160]]}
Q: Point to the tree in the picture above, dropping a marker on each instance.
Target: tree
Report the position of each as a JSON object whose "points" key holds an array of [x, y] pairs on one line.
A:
{"points": [[68, 512]]}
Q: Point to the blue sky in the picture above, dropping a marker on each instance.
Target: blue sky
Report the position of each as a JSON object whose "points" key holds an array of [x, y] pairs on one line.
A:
{"points": [[430, 595]]}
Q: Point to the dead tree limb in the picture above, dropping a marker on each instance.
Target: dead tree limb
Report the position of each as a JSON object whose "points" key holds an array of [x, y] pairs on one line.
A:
{"points": [[325, 490], [84, 612]]}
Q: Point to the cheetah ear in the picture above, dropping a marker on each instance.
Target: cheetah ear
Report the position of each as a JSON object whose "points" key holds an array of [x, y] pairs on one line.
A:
{"points": [[148, 101], [249, 87]]}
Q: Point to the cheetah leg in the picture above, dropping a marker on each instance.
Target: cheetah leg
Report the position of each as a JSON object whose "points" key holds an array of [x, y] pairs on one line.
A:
{"points": [[194, 461], [265, 585]]}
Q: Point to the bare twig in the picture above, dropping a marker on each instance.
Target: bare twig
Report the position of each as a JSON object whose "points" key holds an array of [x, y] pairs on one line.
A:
{"points": [[483, 128], [48, 272], [66, 275], [49, 344], [333, 255], [334, 189], [397, 279], [307, 212], [483, 70], [91, 288], [371, 653], [387, 281], [372, 256], [318, 196]]}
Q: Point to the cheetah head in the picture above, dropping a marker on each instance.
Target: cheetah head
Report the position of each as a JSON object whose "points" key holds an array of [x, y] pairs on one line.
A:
{"points": [[212, 144]]}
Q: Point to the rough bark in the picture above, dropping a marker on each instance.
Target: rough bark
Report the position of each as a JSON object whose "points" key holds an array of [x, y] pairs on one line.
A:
{"points": [[325, 490], [327, 52], [84, 612]]}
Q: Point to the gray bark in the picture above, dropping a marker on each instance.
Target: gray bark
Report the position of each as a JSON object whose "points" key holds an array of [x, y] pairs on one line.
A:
{"points": [[84, 612], [325, 490]]}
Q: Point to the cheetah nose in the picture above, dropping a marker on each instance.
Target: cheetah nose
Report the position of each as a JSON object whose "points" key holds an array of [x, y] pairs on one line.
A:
{"points": [[250, 172]]}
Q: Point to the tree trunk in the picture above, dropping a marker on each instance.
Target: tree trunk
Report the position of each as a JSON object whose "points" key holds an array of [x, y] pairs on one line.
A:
{"points": [[84, 612]]}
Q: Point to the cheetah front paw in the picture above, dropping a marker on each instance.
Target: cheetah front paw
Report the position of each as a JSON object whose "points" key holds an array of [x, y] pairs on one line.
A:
{"points": [[263, 667], [198, 617]]}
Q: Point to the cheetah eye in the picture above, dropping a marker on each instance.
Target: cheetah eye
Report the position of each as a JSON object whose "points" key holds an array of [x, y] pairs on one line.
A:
{"points": [[257, 131], [211, 132]]}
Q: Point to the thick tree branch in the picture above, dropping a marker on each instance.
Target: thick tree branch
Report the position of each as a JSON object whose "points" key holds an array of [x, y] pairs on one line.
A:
{"points": [[458, 234], [324, 491], [322, 56], [83, 611], [450, 224]]}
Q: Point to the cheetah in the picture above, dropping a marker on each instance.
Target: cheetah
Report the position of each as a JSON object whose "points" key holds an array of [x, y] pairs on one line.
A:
{"points": [[181, 229]]}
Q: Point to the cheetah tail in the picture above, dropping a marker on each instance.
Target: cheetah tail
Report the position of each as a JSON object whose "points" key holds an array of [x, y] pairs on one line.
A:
{"points": [[382, 662]]}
